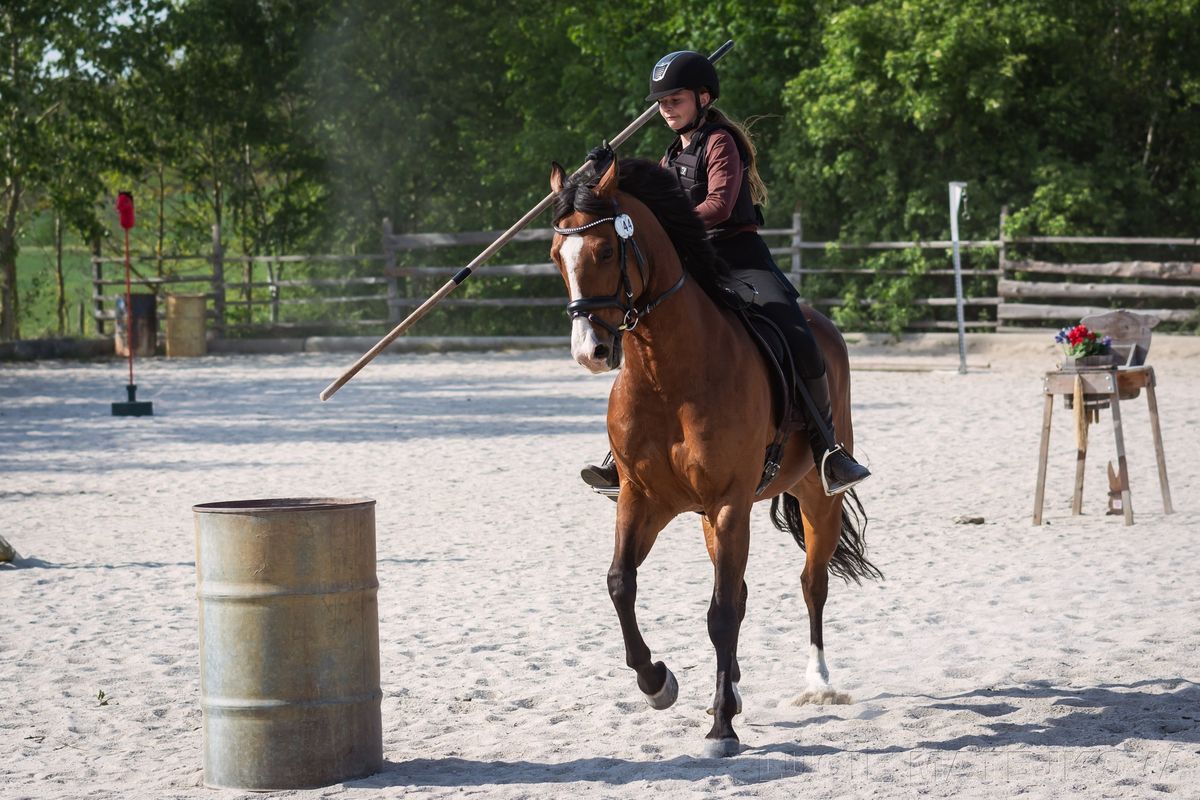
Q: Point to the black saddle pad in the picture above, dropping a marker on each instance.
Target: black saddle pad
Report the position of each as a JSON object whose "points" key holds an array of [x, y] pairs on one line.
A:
{"points": [[739, 295], [775, 351]]}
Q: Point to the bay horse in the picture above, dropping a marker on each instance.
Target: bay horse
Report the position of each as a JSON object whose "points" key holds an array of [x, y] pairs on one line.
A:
{"points": [[690, 417]]}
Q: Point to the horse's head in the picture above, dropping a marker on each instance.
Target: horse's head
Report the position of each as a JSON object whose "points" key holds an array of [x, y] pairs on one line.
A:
{"points": [[601, 264]]}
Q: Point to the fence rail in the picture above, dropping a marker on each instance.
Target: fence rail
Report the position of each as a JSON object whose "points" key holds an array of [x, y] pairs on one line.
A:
{"points": [[262, 300]]}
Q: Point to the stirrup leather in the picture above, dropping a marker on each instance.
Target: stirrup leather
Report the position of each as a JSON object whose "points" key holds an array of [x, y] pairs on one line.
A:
{"points": [[825, 476]]}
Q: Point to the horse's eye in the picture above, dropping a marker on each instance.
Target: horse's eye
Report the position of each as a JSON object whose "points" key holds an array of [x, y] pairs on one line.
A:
{"points": [[606, 252]]}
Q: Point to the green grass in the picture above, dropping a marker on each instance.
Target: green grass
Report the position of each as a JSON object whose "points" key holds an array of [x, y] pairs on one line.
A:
{"points": [[38, 294]]}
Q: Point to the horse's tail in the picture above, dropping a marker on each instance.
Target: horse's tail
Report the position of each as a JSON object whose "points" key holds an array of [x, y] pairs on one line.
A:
{"points": [[849, 560]]}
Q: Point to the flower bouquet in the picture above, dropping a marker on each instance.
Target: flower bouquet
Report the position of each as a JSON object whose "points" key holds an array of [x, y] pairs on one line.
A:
{"points": [[1083, 348]]}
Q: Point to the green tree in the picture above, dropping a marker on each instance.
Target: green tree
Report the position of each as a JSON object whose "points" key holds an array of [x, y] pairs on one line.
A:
{"points": [[58, 75], [578, 72], [229, 118], [1081, 116]]}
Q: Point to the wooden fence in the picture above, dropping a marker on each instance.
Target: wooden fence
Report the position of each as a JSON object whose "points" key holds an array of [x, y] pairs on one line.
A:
{"points": [[1171, 288], [249, 295]]}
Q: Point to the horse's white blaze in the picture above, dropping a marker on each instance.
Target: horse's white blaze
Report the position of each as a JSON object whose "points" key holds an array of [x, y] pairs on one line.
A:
{"points": [[571, 248], [583, 336]]}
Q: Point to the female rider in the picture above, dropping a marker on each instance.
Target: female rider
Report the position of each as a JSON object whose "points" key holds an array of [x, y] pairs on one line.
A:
{"points": [[714, 159]]}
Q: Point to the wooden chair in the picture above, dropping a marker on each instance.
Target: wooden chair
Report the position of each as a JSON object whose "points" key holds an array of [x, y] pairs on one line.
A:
{"points": [[1130, 333]]}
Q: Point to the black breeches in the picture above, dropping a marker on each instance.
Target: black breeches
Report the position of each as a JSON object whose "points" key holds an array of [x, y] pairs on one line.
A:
{"points": [[750, 260]]}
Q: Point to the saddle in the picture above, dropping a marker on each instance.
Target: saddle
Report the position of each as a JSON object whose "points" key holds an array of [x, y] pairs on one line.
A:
{"points": [[781, 366]]}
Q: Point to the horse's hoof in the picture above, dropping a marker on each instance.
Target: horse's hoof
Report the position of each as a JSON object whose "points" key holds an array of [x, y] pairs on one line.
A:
{"points": [[738, 695], [722, 748], [667, 695]]}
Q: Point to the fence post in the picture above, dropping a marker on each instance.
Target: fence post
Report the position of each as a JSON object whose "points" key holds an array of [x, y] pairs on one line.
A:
{"points": [[797, 253], [60, 294], [957, 190], [389, 267], [97, 287], [273, 277], [248, 285], [1003, 265], [1003, 240], [218, 281]]}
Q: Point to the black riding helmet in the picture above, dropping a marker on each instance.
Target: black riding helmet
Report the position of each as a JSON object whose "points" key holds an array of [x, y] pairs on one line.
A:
{"points": [[683, 69]]}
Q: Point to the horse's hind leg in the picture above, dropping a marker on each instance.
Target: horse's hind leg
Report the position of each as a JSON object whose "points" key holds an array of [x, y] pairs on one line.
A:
{"points": [[822, 529], [638, 526], [728, 540]]}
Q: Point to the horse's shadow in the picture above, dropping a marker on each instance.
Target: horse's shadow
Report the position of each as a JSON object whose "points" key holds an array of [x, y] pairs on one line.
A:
{"points": [[1107, 715], [1161, 709], [612, 771]]}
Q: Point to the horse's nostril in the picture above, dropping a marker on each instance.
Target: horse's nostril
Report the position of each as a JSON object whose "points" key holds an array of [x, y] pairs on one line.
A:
{"points": [[600, 352]]}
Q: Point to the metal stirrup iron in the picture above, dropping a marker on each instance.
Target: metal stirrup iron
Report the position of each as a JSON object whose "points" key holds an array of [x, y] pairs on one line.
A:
{"points": [[825, 475]]}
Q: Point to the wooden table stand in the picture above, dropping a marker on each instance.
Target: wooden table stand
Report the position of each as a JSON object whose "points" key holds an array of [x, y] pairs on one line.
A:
{"points": [[1111, 383]]}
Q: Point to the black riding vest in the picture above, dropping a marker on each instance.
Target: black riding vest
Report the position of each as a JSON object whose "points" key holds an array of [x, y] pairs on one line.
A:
{"points": [[692, 172]]}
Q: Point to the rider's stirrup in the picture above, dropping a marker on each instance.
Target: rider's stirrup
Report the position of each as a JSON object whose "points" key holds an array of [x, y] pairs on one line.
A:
{"points": [[603, 477], [861, 474]]}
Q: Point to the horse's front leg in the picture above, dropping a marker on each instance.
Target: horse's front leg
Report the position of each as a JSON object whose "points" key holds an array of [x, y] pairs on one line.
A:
{"points": [[736, 671], [728, 539], [638, 525]]}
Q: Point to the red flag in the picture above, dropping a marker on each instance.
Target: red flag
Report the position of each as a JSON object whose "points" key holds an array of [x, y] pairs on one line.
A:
{"points": [[125, 209]]}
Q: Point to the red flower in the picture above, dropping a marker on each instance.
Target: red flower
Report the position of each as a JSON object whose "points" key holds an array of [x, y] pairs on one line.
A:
{"points": [[1079, 341]]}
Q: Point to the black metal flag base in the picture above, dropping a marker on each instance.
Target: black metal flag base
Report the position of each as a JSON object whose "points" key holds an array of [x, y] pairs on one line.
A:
{"points": [[133, 407]]}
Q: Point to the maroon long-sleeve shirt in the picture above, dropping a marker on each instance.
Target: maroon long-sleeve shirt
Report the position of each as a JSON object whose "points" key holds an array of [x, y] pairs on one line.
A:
{"points": [[725, 168]]}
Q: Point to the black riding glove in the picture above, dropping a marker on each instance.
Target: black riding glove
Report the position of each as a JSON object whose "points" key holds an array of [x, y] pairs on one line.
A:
{"points": [[601, 157]]}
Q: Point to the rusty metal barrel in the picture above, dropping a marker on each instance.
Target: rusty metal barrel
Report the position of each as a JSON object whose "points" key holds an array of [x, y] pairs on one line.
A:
{"points": [[185, 325], [289, 642], [144, 317]]}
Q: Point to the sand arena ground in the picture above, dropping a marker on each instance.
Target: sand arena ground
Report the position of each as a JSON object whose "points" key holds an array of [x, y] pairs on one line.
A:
{"points": [[995, 660]]}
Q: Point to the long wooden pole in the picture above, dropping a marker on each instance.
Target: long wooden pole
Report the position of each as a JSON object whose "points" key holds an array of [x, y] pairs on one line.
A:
{"points": [[490, 251]]}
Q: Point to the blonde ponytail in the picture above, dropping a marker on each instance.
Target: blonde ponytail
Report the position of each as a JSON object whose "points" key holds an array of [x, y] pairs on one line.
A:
{"points": [[758, 189]]}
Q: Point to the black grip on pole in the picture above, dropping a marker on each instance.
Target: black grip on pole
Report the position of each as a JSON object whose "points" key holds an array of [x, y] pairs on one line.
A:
{"points": [[720, 51], [461, 275]]}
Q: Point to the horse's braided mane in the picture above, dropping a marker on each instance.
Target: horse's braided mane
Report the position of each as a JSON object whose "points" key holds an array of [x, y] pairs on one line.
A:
{"points": [[659, 190]]}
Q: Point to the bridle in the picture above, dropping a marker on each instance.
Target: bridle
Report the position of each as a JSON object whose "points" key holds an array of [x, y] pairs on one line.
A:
{"points": [[622, 298]]}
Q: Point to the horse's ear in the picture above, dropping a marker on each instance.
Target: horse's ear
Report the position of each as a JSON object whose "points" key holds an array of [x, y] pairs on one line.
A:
{"points": [[558, 176], [606, 188]]}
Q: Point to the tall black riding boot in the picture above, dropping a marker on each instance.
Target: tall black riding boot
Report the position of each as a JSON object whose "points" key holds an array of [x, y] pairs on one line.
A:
{"points": [[602, 477], [838, 469]]}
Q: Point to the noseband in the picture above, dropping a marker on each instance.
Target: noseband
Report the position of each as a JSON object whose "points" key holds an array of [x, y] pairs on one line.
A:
{"points": [[622, 298]]}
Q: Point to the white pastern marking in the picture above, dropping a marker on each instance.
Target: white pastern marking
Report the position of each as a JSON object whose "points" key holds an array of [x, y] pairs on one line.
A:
{"points": [[818, 672], [819, 692]]}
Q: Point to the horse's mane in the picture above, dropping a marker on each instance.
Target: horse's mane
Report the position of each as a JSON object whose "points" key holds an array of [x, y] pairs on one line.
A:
{"points": [[659, 189]]}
